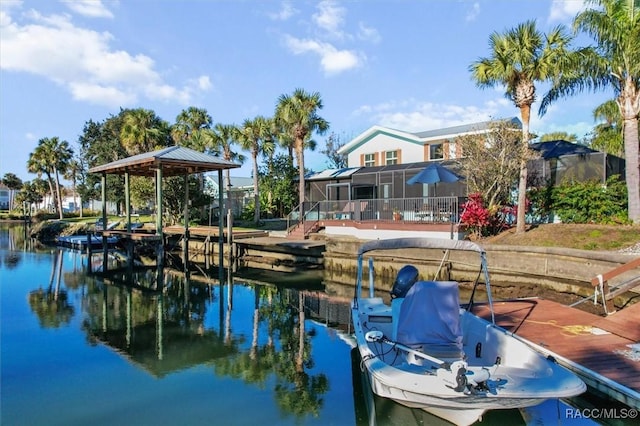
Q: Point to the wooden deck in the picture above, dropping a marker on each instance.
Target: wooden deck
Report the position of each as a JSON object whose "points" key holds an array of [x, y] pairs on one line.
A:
{"points": [[595, 347], [211, 231]]}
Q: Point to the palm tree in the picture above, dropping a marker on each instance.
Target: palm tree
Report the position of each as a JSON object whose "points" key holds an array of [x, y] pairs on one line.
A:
{"points": [[519, 59], [187, 131], [222, 139], [608, 135], [37, 164], [143, 131], [74, 169], [254, 134], [14, 183], [614, 62], [39, 187], [51, 157], [192, 130], [297, 116]]}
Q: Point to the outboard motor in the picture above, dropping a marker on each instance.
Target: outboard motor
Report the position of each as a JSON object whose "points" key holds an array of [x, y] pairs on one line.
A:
{"points": [[407, 276]]}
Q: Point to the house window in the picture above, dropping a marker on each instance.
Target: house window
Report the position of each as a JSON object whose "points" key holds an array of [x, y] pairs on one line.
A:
{"points": [[391, 157], [436, 152], [369, 160], [4, 193]]}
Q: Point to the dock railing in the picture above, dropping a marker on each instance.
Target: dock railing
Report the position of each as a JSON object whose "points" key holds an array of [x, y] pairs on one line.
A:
{"points": [[607, 293]]}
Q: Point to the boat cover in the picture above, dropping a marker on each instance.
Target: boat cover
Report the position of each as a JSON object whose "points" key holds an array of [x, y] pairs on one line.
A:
{"points": [[430, 318]]}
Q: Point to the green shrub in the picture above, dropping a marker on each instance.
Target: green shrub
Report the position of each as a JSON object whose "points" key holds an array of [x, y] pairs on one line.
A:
{"points": [[591, 202]]}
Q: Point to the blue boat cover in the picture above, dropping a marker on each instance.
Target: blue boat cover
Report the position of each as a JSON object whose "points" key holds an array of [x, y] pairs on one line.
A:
{"points": [[430, 318]]}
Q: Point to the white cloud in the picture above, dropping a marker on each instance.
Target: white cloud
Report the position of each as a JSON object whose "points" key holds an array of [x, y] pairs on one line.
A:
{"points": [[286, 11], [203, 83], [330, 17], [415, 116], [329, 21], [90, 8], [332, 60], [84, 62], [565, 10], [368, 33], [473, 13], [101, 95]]}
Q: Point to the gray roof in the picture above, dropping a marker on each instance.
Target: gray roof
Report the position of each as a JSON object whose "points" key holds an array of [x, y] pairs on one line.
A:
{"points": [[465, 128], [559, 148], [173, 160], [333, 173]]}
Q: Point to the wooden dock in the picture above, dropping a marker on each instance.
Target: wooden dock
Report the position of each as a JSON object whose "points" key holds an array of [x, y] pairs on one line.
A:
{"points": [[598, 349], [80, 242]]}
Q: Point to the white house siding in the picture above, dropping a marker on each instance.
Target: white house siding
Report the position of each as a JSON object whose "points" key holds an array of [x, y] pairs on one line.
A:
{"points": [[408, 151], [383, 234]]}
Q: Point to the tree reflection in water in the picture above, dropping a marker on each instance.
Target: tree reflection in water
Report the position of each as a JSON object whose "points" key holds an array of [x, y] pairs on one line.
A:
{"points": [[51, 305], [160, 320], [297, 393]]}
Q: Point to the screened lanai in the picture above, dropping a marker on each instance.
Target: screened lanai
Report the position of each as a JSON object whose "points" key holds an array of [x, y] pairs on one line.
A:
{"points": [[384, 193]]}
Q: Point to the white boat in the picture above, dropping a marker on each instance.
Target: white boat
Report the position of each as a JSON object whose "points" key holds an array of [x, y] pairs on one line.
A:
{"points": [[424, 350]]}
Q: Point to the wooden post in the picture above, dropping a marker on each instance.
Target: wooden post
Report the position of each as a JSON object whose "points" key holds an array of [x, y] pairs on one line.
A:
{"points": [[230, 237], [159, 231], [185, 245], [105, 248], [127, 200], [220, 228], [89, 254]]}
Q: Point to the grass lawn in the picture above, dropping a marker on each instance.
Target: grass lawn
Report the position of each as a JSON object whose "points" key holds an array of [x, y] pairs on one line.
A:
{"points": [[569, 235]]}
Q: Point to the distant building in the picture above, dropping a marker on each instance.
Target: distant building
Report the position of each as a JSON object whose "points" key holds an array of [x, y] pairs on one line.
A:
{"points": [[5, 197], [240, 192]]}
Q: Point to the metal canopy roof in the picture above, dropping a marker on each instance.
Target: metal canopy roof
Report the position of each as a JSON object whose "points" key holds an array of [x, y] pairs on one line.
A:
{"points": [[173, 160]]}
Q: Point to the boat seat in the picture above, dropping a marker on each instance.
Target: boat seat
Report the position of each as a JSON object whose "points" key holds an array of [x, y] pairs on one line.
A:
{"points": [[429, 319]]}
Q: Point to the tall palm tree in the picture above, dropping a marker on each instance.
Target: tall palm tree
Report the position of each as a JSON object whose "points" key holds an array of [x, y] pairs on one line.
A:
{"points": [[520, 58], [222, 139], [253, 135], [143, 131], [191, 129], [72, 173], [297, 115], [613, 62], [14, 183], [51, 157], [188, 128]]}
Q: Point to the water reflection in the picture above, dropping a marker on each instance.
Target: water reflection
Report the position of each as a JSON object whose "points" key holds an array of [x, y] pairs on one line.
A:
{"points": [[275, 349], [163, 321], [51, 304]]}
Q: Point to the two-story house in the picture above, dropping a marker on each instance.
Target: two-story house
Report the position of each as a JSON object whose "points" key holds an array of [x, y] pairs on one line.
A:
{"points": [[382, 146]]}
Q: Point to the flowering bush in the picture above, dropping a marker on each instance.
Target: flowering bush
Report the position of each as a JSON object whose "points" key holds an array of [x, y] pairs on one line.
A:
{"points": [[475, 216], [482, 221]]}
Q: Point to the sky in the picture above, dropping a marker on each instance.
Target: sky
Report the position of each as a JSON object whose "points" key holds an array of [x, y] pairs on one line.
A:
{"points": [[402, 64]]}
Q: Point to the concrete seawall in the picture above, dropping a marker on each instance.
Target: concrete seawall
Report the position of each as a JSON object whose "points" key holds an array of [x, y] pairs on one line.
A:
{"points": [[558, 269]]}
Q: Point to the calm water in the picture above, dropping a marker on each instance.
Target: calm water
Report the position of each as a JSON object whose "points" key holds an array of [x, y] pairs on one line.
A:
{"points": [[79, 350]]}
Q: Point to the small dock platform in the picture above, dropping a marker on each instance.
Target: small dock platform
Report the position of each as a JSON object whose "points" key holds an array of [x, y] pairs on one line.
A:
{"points": [[280, 254], [599, 349], [80, 242], [203, 232]]}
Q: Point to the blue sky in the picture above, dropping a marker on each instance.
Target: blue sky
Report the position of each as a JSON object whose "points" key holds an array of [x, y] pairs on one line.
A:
{"points": [[396, 63]]}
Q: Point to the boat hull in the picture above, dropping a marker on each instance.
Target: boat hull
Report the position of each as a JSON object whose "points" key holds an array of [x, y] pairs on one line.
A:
{"points": [[529, 382]]}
